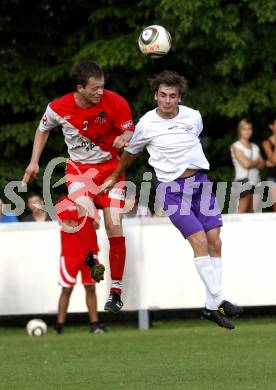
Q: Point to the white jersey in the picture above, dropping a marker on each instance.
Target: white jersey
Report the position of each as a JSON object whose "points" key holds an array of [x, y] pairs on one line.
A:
{"points": [[252, 174], [173, 144]]}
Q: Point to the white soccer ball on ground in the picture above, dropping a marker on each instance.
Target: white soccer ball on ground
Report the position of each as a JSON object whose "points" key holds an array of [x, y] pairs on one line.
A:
{"points": [[155, 41], [36, 327]]}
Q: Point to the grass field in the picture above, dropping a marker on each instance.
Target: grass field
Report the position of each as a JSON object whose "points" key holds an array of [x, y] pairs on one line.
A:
{"points": [[189, 355]]}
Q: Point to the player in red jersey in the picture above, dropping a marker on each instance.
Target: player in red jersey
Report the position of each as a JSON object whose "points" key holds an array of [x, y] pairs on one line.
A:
{"points": [[96, 124], [78, 238]]}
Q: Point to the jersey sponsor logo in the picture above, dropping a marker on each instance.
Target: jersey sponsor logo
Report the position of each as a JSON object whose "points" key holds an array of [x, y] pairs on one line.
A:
{"points": [[182, 126], [127, 125], [85, 145], [117, 193]]}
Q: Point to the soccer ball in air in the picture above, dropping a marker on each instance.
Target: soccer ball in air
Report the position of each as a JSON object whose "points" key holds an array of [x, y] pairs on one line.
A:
{"points": [[155, 41], [36, 327]]}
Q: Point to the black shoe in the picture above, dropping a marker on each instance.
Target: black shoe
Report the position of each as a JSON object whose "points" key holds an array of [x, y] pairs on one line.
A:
{"points": [[97, 269], [227, 308], [59, 329], [114, 303], [218, 318], [96, 327]]}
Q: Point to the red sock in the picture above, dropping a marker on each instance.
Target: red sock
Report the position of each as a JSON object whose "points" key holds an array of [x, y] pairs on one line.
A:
{"points": [[117, 257]]}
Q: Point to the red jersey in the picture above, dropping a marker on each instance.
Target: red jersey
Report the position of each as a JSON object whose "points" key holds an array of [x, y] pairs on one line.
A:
{"points": [[79, 243], [89, 132]]}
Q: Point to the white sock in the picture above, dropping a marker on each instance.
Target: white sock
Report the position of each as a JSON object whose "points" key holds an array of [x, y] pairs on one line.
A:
{"points": [[117, 284], [209, 277], [217, 265]]}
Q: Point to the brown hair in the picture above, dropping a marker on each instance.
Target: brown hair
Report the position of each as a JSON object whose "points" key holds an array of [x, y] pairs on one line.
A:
{"points": [[83, 70], [170, 78]]}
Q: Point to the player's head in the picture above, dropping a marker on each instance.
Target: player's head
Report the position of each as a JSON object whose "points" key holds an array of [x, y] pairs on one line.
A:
{"points": [[168, 88], [88, 80], [245, 129]]}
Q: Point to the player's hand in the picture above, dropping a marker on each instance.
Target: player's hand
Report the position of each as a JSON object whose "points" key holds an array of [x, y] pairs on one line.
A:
{"points": [[108, 184], [122, 140], [31, 173]]}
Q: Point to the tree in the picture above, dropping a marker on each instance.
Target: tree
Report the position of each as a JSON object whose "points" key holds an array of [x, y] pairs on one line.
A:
{"points": [[225, 49]]}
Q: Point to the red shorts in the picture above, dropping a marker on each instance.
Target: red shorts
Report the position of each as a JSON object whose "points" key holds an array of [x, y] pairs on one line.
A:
{"points": [[69, 268], [86, 179]]}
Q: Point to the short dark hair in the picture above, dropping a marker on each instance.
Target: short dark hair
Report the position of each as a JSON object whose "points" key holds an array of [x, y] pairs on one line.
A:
{"points": [[32, 194], [170, 78], [83, 70]]}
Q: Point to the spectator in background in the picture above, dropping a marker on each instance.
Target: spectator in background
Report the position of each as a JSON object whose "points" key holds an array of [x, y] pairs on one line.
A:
{"points": [[6, 216], [247, 161], [269, 147], [35, 204], [79, 248]]}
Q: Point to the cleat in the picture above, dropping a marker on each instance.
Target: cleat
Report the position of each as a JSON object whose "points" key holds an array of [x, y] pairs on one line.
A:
{"points": [[218, 318], [227, 308], [97, 269], [59, 329], [96, 327], [114, 303], [97, 272]]}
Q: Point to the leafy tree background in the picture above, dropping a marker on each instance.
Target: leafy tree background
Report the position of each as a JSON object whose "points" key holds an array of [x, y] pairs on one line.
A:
{"points": [[225, 49]]}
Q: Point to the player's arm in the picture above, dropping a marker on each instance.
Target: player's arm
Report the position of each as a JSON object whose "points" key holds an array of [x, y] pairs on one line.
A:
{"points": [[32, 169], [122, 140], [126, 160], [123, 122]]}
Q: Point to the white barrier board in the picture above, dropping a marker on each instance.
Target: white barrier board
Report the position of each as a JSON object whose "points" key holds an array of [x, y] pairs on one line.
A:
{"points": [[159, 270]]}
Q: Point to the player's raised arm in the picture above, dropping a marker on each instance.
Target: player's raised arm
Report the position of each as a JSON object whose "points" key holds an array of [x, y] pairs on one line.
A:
{"points": [[32, 169], [126, 160]]}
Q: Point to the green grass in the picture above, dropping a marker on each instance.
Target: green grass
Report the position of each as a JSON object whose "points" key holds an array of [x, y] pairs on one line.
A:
{"points": [[189, 355]]}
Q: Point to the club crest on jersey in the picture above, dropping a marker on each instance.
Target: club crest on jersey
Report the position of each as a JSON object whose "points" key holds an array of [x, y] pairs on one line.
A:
{"points": [[101, 117]]}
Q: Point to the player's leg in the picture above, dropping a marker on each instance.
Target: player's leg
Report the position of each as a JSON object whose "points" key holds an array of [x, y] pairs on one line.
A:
{"points": [[117, 256], [214, 250], [91, 299], [91, 302], [63, 304], [214, 244], [204, 267], [192, 229], [67, 280]]}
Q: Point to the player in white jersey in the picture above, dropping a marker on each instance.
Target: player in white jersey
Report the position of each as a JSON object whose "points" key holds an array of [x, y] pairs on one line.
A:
{"points": [[170, 133], [95, 123]]}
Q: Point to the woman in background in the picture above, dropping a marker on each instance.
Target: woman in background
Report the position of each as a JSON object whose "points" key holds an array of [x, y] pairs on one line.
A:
{"points": [[269, 147], [247, 161]]}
